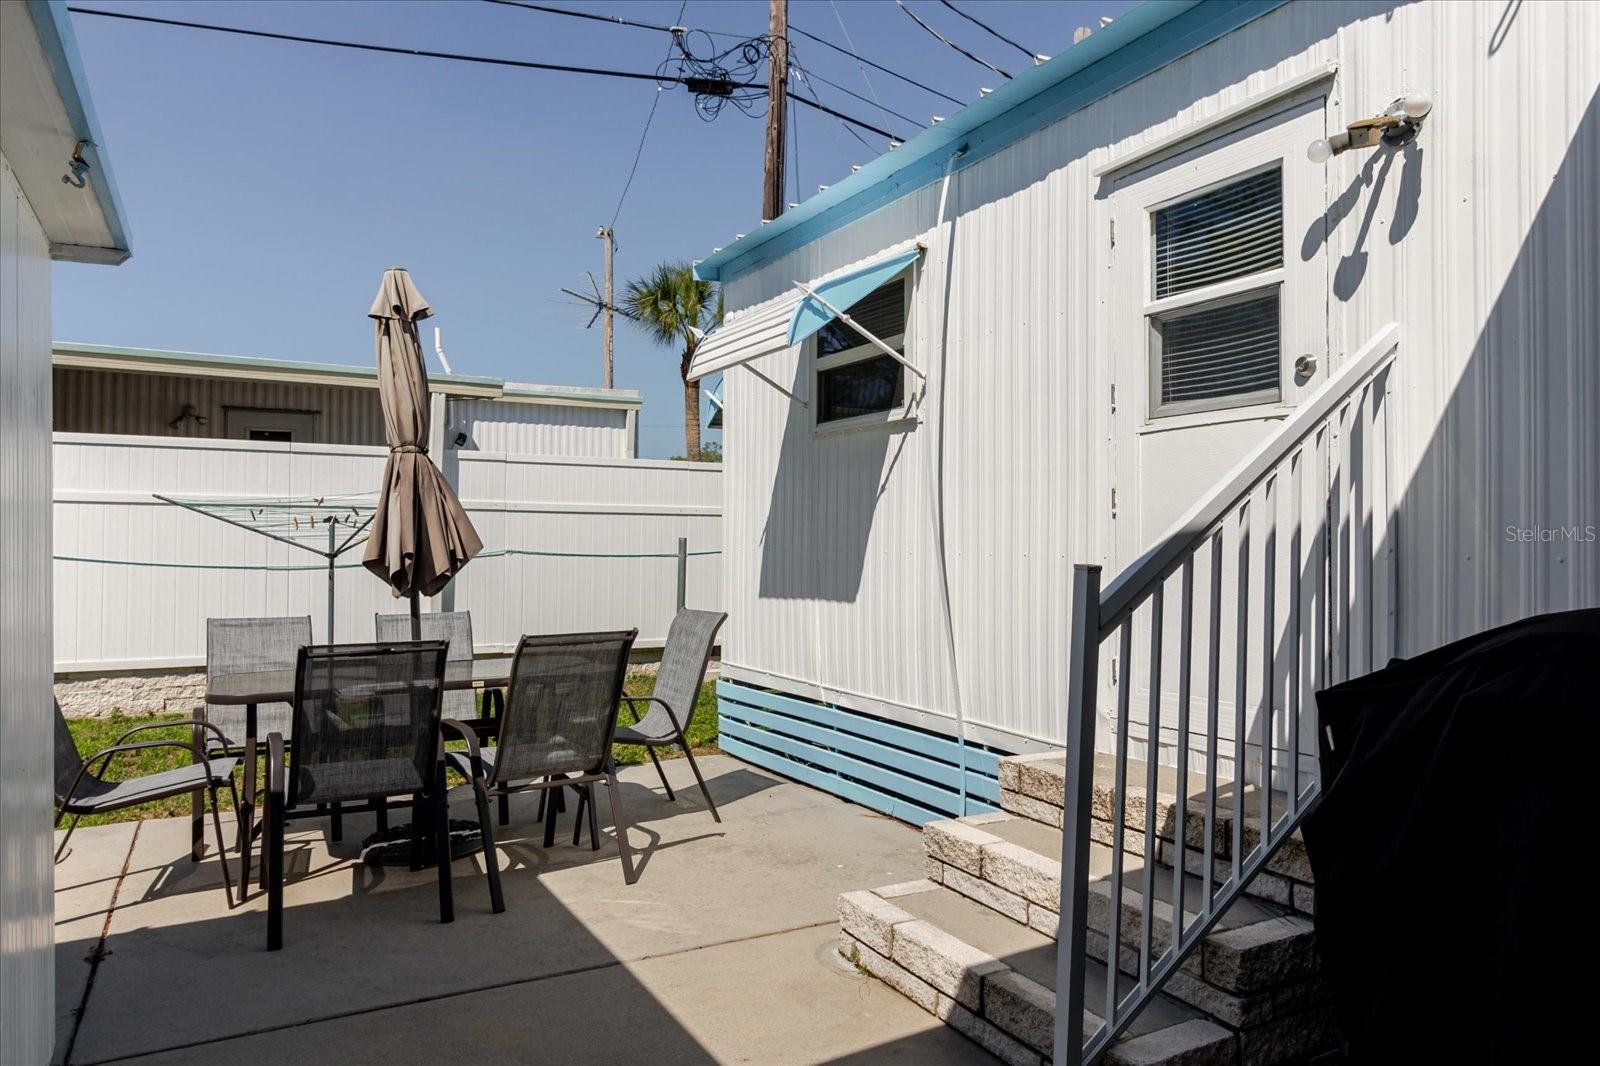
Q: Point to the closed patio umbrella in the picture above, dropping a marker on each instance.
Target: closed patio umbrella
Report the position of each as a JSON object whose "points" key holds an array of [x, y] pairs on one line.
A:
{"points": [[420, 535]]}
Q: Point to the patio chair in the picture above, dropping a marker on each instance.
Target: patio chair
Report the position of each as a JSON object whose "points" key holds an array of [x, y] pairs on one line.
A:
{"points": [[558, 725], [677, 688], [246, 646], [81, 787], [452, 627], [366, 727]]}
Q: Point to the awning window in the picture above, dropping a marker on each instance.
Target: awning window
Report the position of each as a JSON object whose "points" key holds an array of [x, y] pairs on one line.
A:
{"points": [[843, 292], [789, 319]]}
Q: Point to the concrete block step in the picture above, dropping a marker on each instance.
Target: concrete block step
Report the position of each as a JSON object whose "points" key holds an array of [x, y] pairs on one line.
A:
{"points": [[994, 979], [1032, 787], [1012, 866]]}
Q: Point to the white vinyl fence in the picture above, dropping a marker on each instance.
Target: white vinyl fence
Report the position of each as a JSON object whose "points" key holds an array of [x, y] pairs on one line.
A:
{"points": [[570, 544]]}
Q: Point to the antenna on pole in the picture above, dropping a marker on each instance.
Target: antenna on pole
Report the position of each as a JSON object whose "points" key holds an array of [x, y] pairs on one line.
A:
{"points": [[605, 234]]}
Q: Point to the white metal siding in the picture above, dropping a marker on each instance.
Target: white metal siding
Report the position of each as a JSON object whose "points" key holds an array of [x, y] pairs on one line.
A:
{"points": [[542, 429], [97, 401], [1487, 259], [131, 617], [27, 878]]}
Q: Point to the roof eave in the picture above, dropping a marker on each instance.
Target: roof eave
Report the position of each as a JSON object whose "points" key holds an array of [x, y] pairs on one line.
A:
{"points": [[1143, 40], [53, 24]]}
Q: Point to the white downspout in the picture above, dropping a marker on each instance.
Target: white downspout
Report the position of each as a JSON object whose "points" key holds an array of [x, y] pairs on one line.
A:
{"points": [[936, 470], [438, 348]]}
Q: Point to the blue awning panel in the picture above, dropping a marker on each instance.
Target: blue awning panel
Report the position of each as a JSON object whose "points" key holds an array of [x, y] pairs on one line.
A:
{"points": [[844, 291]]}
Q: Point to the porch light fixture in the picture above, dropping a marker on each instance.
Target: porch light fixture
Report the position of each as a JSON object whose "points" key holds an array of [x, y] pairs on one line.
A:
{"points": [[1396, 126]]}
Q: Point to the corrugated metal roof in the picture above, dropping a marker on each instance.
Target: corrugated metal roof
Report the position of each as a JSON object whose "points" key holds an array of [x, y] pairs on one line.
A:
{"points": [[1145, 39], [162, 361]]}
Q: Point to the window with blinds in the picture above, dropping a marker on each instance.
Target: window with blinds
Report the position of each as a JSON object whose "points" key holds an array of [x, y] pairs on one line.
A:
{"points": [[1224, 351], [854, 376]]}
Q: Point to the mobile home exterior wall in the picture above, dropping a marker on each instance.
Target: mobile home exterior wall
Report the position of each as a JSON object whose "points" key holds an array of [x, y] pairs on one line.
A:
{"points": [[1479, 241], [27, 933]]}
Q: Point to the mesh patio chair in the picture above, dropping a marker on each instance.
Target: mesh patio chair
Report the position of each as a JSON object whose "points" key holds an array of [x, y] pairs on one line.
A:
{"points": [[82, 788], [452, 627], [247, 646], [366, 727], [683, 671], [558, 725]]}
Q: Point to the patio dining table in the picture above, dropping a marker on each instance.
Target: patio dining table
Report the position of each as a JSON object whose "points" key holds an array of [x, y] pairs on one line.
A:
{"points": [[249, 690]]}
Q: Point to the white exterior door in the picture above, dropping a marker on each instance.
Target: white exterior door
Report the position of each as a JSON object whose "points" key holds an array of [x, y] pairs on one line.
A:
{"points": [[1219, 290]]}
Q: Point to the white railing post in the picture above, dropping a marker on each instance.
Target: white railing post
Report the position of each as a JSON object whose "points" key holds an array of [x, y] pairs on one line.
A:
{"points": [[1082, 686]]}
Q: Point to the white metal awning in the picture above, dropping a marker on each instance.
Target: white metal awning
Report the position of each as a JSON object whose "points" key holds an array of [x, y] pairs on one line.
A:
{"points": [[789, 319]]}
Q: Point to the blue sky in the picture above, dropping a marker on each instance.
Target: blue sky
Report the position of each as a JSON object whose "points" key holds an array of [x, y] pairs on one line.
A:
{"points": [[268, 184]]}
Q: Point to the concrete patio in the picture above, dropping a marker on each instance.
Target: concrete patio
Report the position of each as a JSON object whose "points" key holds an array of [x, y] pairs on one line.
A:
{"points": [[722, 952]]}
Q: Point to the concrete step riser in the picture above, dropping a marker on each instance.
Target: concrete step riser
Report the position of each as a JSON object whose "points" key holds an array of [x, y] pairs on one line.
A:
{"points": [[1026, 887], [1032, 787], [1008, 1014]]}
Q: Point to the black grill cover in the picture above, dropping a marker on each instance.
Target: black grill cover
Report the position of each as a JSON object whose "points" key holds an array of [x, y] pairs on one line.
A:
{"points": [[1450, 903]]}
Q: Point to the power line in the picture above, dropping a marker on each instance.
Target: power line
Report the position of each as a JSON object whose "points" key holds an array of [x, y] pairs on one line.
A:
{"points": [[839, 18], [876, 66], [888, 111], [801, 73], [981, 62], [638, 154], [525, 64], [613, 19], [991, 31], [616, 20]]}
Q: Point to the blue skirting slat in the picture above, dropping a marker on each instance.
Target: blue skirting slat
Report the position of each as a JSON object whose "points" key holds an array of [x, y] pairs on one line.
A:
{"points": [[904, 772]]}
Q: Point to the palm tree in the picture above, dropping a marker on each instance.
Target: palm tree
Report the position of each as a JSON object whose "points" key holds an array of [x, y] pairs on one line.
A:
{"points": [[674, 307]]}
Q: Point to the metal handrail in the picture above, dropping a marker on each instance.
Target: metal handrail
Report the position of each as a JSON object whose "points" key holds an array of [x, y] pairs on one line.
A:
{"points": [[1099, 615]]}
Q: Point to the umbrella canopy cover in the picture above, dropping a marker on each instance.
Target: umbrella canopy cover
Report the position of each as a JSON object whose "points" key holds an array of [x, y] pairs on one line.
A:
{"points": [[420, 535]]}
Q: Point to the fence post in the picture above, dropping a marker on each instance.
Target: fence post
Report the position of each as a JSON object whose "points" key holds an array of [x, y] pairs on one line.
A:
{"points": [[1082, 685], [683, 571]]}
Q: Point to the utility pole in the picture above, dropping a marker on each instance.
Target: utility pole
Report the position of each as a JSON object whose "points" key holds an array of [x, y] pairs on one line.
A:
{"points": [[605, 234], [777, 107]]}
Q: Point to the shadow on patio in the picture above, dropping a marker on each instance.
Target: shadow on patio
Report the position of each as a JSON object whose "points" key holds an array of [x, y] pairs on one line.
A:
{"points": [[723, 951]]}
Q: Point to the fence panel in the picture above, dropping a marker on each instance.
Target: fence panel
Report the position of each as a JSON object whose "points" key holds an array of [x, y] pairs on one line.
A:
{"points": [[570, 544]]}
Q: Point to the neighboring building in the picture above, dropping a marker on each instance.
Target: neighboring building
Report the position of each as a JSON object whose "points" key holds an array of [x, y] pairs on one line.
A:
{"points": [[57, 201], [147, 392], [1119, 273]]}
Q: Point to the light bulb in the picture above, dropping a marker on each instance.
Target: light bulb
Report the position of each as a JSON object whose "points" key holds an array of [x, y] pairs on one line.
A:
{"points": [[1320, 151], [1417, 106]]}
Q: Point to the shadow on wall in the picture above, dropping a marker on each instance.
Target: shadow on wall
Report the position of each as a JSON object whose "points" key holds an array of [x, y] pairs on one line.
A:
{"points": [[1516, 446], [825, 493], [1352, 266]]}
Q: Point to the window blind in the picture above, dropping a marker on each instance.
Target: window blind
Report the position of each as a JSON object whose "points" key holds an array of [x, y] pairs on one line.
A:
{"points": [[882, 312], [1224, 349], [1229, 232]]}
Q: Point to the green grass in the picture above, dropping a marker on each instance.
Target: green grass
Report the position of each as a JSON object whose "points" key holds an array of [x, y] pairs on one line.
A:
{"points": [[95, 734]]}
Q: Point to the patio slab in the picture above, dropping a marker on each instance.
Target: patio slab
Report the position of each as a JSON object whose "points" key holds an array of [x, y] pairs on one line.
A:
{"points": [[721, 952]]}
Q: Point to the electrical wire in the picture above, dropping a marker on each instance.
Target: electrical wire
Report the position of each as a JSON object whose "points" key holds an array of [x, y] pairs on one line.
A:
{"points": [[992, 32], [839, 18], [813, 75], [638, 153], [801, 74], [875, 66], [617, 20], [524, 64], [917, 19]]}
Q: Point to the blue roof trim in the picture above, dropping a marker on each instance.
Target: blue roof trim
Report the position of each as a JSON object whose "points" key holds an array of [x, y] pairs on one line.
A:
{"points": [[53, 24], [1145, 39]]}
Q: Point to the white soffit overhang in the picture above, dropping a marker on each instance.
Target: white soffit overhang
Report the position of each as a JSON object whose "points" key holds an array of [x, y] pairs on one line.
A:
{"points": [[768, 328]]}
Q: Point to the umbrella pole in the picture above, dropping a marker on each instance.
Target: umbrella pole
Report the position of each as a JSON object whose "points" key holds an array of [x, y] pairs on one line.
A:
{"points": [[416, 616], [333, 554]]}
